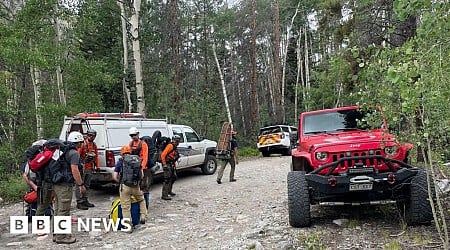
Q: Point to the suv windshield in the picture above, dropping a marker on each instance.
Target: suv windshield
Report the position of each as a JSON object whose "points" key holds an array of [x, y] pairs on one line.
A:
{"points": [[339, 120]]}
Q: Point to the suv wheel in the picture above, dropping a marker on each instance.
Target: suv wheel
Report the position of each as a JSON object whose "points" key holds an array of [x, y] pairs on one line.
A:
{"points": [[265, 153], [210, 165], [298, 199], [418, 209]]}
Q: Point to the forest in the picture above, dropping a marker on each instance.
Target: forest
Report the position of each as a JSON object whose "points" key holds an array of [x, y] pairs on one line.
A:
{"points": [[203, 62]]}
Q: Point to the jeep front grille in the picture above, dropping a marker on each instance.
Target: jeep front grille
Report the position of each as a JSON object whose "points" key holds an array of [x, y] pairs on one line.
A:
{"points": [[351, 163]]}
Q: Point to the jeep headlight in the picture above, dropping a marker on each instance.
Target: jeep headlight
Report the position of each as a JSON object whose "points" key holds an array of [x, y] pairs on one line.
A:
{"points": [[392, 150], [321, 156]]}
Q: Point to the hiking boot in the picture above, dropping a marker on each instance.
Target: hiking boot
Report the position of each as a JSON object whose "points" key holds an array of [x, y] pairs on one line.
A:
{"points": [[219, 181], [66, 240], [82, 206], [166, 198], [88, 204], [232, 180], [172, 193]]}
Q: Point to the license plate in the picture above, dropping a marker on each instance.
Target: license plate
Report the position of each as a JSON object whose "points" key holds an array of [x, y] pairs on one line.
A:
{"points": [[361, 186]]}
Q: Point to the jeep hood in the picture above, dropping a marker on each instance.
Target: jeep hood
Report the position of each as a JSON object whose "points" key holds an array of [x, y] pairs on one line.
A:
{"points": [[354, 140]]}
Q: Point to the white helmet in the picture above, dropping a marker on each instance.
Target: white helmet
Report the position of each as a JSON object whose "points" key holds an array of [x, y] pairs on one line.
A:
{"points": [[133, 131], [75, 136]]}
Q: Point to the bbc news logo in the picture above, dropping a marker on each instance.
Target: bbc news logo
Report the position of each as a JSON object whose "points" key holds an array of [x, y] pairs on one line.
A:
{"points": [[63, 225]]}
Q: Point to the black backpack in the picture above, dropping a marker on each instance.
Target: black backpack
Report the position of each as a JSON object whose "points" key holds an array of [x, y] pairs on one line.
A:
{"points": [[32, 151], [161, 145], [58, 169], [130, 173], [151, 150]]}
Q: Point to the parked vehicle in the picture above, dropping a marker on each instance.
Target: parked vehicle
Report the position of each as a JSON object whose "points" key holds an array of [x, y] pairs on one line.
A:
{"points": [[276, 139], [113, 132], [342, 160]]}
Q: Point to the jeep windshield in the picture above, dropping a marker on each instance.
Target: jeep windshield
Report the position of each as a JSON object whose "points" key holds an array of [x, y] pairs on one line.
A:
{"points": [[334, 121]]}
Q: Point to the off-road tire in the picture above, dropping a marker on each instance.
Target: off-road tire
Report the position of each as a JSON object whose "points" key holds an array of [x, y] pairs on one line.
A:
{"points": [[287, 152], [298, 199], [265, 153], [418, 209], [210, 165]]}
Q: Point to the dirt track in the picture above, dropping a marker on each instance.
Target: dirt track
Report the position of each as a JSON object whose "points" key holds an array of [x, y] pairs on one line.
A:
{"points": [[248, 214]]}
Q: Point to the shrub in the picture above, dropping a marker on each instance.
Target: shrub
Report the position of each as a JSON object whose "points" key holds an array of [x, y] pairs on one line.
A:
{"points": [[12, 188]]}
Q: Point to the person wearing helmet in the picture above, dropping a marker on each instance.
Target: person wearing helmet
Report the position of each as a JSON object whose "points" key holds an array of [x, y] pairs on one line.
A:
{"points": [[127, 191], [138, 147], [169, 157], [63, 188], [89, 157], [233, 160]]}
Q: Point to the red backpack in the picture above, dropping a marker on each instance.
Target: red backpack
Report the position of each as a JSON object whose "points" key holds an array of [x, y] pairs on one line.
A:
{"points": [[40, 160]]}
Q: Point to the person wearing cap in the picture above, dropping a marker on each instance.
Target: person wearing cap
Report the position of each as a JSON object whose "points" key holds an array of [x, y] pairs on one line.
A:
{"points": [[233, 160], [169, 157], [89, 157], [140, 147]]}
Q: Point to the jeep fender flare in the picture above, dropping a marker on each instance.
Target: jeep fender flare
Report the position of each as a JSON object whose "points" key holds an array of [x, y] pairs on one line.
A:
{"points": [[301, 161]]}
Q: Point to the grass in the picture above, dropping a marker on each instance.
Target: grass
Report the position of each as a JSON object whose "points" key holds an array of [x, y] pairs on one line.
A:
{"points": [[312, 241], [393, 245], [12, 188]]}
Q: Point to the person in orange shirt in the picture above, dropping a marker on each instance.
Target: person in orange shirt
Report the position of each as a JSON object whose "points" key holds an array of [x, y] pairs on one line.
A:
{"points": [[169, 157], [139, 147], [89, 157]]}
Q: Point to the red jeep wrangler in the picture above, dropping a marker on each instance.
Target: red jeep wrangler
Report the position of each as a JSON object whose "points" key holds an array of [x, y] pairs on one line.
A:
{"points": [[341, 160]]}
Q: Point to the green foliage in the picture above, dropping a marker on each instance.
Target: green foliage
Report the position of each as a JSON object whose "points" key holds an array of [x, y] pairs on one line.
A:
{"points": [[312, 241], [393, 245], [12, 188], [248, 152]]}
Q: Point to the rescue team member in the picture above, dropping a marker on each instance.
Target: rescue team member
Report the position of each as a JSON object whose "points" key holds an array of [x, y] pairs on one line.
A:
{"points": [[234, 159], [127, 191], [169, 158], [139, 147], [64, 190], [89, 157]]}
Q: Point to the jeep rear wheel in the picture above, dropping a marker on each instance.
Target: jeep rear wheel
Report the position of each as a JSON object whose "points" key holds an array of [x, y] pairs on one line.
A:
{"points": [[418, 209], [210, 165], [298, 199]]}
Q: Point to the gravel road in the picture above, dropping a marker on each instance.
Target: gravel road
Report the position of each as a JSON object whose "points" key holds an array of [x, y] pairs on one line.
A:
{"points": [[248, 214]]}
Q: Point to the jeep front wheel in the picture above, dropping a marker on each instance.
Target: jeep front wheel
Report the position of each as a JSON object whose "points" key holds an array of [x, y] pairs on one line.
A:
{"points": [[298, 199], [210, 165], [418, 208]]}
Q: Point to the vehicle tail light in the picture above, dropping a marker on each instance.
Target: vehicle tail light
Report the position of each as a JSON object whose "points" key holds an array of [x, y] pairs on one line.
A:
{"points": [[110, 162], [391, 178], [332, 181]]}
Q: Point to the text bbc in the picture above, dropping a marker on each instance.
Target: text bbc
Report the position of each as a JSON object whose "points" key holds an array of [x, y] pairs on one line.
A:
{"points": [[63, 224]]}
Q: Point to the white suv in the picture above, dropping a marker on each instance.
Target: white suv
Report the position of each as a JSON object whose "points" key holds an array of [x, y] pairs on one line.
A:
{"points": [[276, 139], [112, 134]]}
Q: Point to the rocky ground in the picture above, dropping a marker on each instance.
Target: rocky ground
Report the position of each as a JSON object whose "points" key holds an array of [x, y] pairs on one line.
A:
{"points": [[248, 214]]}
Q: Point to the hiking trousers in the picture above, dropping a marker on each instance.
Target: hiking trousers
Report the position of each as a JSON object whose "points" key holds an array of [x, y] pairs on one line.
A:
{"points": [[44, 198], [125, 200], [63, 200], [86, 176], [223, 164], [170, 176]]}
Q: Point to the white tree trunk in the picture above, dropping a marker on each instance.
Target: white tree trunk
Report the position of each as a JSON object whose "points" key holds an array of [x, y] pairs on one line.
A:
{"points": [[299, 74], [125, 80], [36, 79], [137, 56], [284, 56], [59, 76], [222, 81], [308, 86]]}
